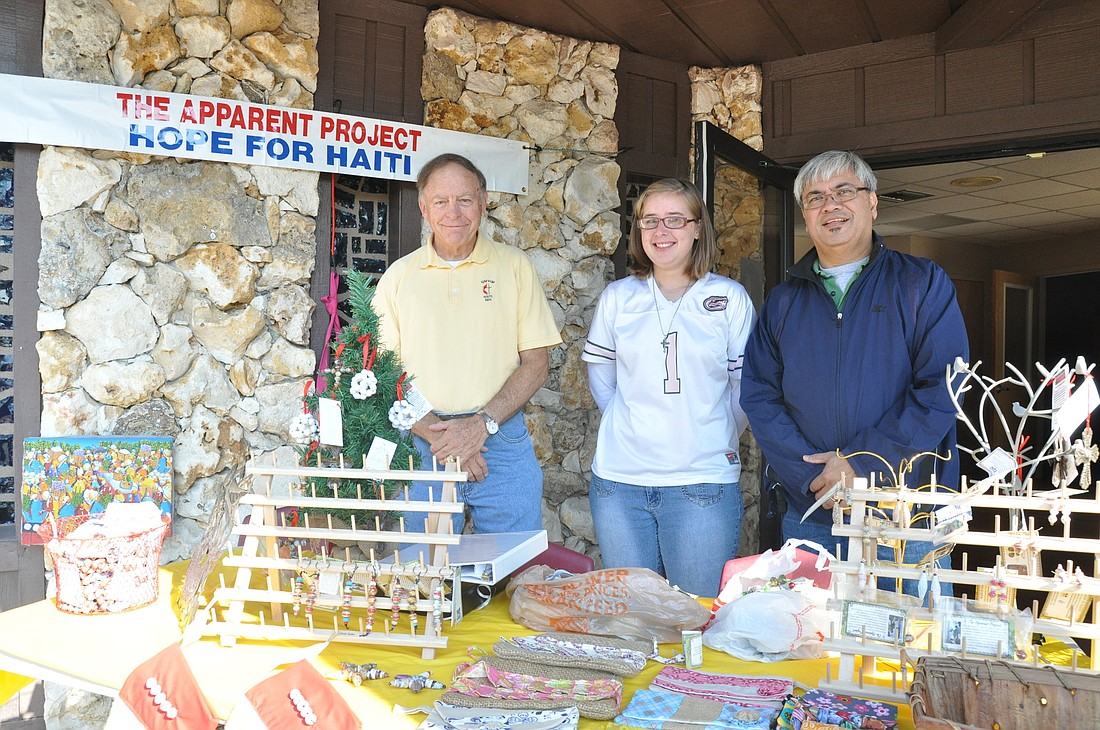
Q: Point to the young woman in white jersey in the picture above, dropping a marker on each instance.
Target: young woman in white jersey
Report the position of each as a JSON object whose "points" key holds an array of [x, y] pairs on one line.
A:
{"points": [[664, 361]]}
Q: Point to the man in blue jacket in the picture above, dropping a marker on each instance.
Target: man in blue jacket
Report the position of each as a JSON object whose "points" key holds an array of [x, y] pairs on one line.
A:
{"points": [[851, 354]]}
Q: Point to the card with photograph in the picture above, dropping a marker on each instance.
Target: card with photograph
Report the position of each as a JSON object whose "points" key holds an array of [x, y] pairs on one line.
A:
{"points": [[1021, 560], [985, 635], [874, 621]]}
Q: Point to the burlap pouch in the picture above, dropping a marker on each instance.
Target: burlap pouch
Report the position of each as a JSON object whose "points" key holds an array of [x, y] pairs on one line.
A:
{"points": [[624, 657], [600, 709]]}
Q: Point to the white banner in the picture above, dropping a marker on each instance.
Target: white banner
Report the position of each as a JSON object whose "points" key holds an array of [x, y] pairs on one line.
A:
{"points": [[76, 114]]}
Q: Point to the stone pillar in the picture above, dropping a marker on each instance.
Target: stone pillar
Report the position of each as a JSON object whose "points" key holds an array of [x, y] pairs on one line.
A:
{"points": [[558, 95], [729, 98], [175, 294]]}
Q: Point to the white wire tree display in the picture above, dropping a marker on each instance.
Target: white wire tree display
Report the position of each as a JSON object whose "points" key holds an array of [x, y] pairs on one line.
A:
{"points": [[1071, 396]]}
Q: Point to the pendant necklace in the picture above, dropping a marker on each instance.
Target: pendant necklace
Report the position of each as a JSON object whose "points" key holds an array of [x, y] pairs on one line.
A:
{"points": [[657, 307]]}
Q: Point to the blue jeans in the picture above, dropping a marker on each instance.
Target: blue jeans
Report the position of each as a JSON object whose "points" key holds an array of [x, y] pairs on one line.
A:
{"points": [[685, 534], [822, 534], [510, 497]]}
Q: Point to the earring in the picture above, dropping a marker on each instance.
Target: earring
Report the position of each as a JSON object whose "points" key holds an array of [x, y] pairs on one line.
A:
{"points": [[311, 595], [296, 587], [437, 607], [372, 594], [935, 586], [395, 603], [345, 598], [922, 584]]}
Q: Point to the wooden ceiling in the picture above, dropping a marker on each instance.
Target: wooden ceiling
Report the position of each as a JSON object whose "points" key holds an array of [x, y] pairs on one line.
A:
{"points": [[721, 33]]}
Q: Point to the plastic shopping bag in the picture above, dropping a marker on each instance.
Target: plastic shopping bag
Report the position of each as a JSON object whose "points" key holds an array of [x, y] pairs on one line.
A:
{"points": [[628, 602], [771, 625], [741, 574]]}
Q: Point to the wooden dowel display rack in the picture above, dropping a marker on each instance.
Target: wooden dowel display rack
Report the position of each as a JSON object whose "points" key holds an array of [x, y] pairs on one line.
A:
{"points": [[858, 655], [226, 615]]}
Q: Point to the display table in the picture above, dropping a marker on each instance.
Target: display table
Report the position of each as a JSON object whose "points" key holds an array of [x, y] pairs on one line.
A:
{"points": [[96, 653]]}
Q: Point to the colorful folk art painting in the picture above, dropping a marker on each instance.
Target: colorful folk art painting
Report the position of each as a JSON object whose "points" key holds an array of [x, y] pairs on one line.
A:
{"points": [[82, 475]]}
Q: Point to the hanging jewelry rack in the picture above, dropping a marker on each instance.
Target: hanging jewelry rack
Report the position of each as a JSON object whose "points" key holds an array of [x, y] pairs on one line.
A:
{"points": [[229, 615], [858, 655]]}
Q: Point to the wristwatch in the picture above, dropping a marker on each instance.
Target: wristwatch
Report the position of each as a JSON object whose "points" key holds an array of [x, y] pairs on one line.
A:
{"points": [[490, 425]]}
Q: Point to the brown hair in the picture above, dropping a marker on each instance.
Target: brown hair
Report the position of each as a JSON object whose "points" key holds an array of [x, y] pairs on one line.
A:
{"points": [[704, 252]]}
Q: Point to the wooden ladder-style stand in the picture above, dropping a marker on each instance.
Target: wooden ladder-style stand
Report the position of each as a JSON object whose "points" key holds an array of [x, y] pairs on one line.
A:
{"points": [[263, 528], [860, 532]]}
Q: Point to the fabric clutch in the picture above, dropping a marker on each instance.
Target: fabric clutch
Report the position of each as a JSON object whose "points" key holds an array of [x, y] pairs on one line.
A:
{"points": [[624, 657], [829, 709], [528, 686], [669, 711], [752, 691], [162, 693], [450, 717], [297, 697]]}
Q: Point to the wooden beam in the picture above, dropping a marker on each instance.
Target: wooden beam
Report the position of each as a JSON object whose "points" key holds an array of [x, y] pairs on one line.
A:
{"points": [[982, 23]]}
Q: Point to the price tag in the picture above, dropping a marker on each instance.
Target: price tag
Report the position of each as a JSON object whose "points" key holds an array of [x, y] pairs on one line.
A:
{"points": [[420, 405], [380, 455], [328, 584], [331, 422], [998, 463], [1077, 407]]}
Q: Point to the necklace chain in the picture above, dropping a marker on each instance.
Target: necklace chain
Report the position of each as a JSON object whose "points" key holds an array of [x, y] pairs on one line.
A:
{"points": [[657, 308]]}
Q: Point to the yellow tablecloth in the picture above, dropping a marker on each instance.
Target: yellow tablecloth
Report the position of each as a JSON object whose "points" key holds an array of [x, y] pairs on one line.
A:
{"points": [[38, 640]]}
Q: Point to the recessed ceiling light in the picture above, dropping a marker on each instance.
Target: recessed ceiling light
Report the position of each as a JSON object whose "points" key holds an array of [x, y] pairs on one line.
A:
{"points": [[1036, 155], [903, 196], [976, 181]]}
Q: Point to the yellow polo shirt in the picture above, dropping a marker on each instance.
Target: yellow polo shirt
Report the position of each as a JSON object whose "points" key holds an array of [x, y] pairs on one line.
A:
{"points": [[459, 330]]}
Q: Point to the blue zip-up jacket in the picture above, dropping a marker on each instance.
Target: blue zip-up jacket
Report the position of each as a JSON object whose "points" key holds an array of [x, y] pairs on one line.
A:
{"points": [[871, 377]]}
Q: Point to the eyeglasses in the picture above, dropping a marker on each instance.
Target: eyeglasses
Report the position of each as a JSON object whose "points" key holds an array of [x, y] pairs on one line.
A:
{"points": [[840, 195], [671, 222]]}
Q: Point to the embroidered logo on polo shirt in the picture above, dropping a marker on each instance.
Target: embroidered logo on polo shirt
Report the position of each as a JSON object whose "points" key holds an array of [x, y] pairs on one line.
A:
{"points": [[715, 304], [487, 289]]}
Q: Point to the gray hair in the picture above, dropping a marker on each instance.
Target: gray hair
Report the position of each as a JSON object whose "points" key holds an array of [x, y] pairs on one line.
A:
{"points": [[448, 158], [832, 163]]}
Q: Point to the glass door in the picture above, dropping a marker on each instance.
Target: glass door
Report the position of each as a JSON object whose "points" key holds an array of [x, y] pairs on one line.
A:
{"points": [[750, 197]]}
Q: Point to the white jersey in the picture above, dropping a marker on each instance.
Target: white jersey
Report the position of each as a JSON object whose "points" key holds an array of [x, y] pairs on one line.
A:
{"points": [[670, 410]]}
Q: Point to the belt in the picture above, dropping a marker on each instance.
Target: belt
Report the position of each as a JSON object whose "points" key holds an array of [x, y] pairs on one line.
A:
{"points": [[449, 416]]}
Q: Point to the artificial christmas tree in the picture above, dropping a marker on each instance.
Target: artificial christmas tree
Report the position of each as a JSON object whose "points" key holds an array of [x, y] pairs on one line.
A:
{"points": [[368, 382]]}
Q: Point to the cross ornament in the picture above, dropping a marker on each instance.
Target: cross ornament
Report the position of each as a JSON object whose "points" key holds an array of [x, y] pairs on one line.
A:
{"points": [[1085, 452], [338, 369]]}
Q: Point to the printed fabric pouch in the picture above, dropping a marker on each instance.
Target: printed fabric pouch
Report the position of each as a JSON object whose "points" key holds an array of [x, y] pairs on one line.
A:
{"points": [[818, 709], [768, 692], [624, 657], [670, 711], [521, 685], [450, 717]]}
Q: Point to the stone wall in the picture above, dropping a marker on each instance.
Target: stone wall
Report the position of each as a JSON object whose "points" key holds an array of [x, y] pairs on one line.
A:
{"points": [[558, 95]]}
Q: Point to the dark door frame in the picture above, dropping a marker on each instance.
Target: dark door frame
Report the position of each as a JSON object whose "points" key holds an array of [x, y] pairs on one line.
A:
{"points": [[713, 144]]}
